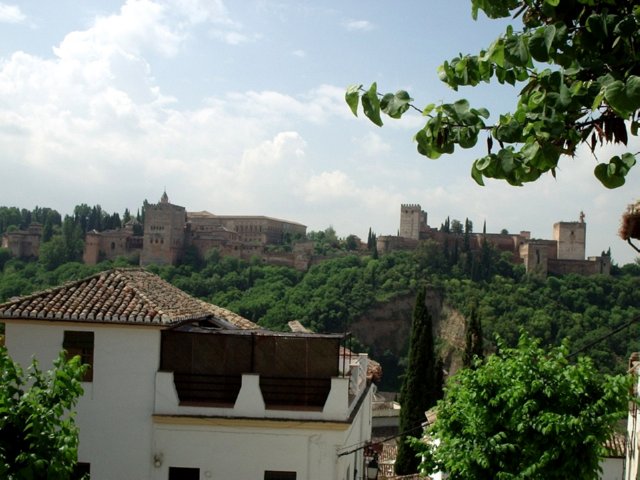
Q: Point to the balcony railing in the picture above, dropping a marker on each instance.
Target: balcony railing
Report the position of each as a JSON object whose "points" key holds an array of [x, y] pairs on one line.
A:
{"points": [[260, 396], [299, 392], [194, 389]]}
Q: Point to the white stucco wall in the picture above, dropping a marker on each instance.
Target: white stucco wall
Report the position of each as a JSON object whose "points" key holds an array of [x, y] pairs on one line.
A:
{"points": [[119, 434], [224, 448], [612, 469], [114, 415]]}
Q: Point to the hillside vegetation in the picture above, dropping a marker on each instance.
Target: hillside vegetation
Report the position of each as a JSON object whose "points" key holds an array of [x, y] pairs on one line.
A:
{"points": [[334, 293]]}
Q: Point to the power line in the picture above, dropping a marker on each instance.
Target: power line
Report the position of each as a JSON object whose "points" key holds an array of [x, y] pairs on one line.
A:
{"points": [[368, 444], [604, 337]]}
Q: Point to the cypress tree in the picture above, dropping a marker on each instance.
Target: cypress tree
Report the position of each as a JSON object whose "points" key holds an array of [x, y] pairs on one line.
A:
{"points": [[473, 339], [421, 388]]}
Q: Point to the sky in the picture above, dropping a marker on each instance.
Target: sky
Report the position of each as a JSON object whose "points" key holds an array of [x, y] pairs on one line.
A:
{"points": [[238, 108]]}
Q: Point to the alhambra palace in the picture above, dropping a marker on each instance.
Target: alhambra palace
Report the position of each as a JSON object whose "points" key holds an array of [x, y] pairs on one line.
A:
{"points": [[169, 231]]}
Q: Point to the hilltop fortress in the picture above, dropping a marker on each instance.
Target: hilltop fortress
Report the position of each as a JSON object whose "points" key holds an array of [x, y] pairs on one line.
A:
{"points": [[562, 255], [169, 231]]}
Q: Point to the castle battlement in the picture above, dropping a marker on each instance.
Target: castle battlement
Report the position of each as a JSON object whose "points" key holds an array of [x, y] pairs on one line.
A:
{"points": [[565, 253], [170, 231]]}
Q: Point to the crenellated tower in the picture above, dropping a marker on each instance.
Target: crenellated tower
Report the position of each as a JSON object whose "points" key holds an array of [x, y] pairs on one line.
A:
{"points": [[164, 233], [412, 221], [571, 239]]}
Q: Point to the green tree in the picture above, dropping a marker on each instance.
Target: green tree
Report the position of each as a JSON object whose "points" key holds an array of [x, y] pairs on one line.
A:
{"points": [[420, 390], [527, 413], [5, 256], [578, 64], [66, 247], [351, 243], [473, 345], [39, 437]]}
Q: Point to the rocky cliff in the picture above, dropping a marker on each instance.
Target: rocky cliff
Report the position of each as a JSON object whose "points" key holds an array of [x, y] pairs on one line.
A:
{"points": [[386, 327]]}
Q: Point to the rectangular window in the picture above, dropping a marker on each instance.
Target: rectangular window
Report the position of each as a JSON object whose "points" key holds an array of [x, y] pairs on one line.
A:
{"points": [[276, 475], [80, 343], [181, 473], [82, 471]]}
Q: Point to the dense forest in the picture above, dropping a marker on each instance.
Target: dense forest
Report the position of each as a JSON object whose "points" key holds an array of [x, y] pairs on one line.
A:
{"points": [[335, 292]]}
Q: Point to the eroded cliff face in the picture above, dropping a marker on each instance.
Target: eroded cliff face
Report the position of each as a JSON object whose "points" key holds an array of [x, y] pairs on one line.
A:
{"points": [[386, 327]]}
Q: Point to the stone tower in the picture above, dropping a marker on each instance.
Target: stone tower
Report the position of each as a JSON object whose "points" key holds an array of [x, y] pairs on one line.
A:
{"points": [[535, 256], [412, 221], [571, 239], [164, 226]]}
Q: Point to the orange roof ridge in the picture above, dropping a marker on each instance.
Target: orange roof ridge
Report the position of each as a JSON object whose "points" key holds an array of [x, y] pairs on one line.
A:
{"points": [[120, 295]]}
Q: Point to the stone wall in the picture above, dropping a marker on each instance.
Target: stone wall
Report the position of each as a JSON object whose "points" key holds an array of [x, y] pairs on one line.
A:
{"points": [[24, 243], [110, 244]]}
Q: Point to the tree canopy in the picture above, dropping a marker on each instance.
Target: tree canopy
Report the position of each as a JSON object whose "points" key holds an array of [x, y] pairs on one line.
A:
{"points": [[39, 437], [578, 62], [527, 413]]}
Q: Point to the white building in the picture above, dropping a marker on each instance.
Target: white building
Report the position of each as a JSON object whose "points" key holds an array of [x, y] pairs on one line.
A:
{"points": [[181, 389], [633, 425]]}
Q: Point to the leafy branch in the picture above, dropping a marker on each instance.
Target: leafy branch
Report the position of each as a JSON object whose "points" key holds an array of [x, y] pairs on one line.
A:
{"points": [[590, 95]]}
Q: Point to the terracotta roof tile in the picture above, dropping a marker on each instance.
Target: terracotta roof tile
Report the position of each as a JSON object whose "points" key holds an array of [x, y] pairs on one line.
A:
{"points": [[615, 446], [128, 295]]}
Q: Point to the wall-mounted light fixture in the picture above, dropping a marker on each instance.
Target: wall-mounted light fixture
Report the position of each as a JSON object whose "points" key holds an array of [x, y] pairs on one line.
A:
{"points": [[157, 460]]}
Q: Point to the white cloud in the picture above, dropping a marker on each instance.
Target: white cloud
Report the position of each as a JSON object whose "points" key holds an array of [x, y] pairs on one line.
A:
{"points": [[316, 106], [299, 53], [372, 145], [233, 37], [200, 11], [11, 14], [270, 153], [329, 186], [358, 25], [91, 123], [140, 25]]}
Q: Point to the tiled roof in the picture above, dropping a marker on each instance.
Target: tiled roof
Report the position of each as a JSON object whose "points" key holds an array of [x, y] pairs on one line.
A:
{"points": [[127, 295], [615, 446]]}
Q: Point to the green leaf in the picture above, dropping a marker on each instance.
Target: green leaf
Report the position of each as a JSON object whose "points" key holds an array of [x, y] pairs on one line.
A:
{"points": [[607, 176], [597, 101], [628, 160], [425, 145], [496, 52], [482, 112], [541, 41], [396, 104], [506, 160], [623, 97], [461, 108], [508, 130], [612, 174], [352, 97], [428, 109], [371, 105], [516, 52], [467, 137], [627, 27], [483, 163], [476, 174]]}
